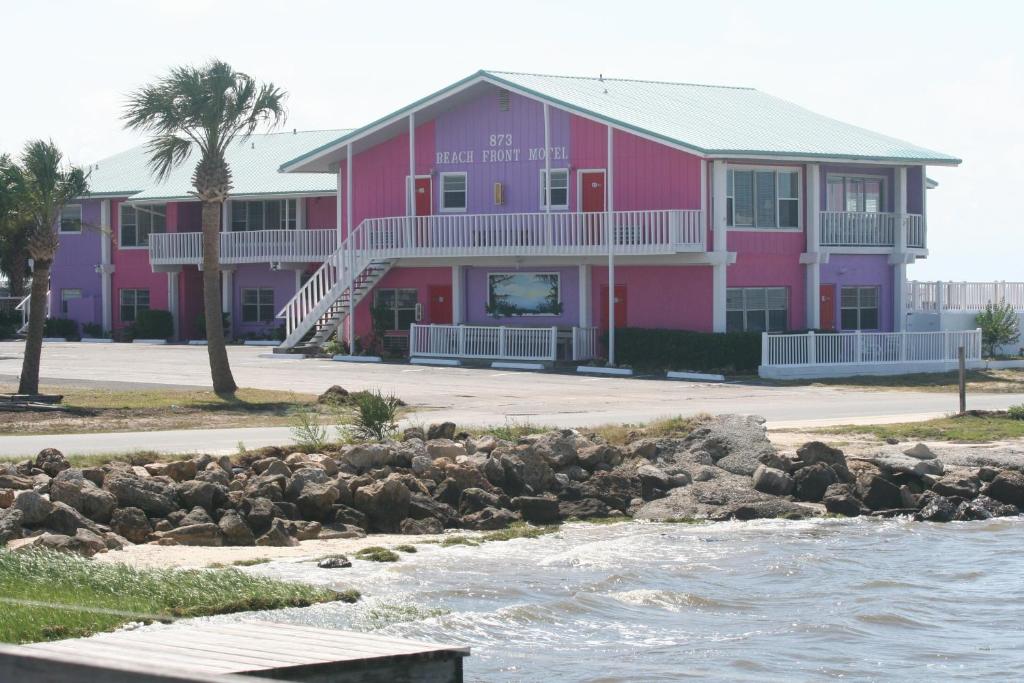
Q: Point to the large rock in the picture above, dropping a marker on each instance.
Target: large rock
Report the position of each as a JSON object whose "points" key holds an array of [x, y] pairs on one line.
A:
{"points": [[235, 530], [815, 452], [537, 509], [813, 480], [194, 534], [83, 542], [131, 523], [424, 507], [559, 448], [920, 451], [532, 469], [51, 461], [180, 470], [316, 501], [259, 512], [196, 515], [277, 535], [153, 497], [585, 508], [367, 456], [10, 525], [729, 496], [488, 519], [1007, 487], [654, 482], [443, 430], [839, 499], [476, 499], [348, 516], [421, 526], [65, 519], [466, 476], [199, 494], [734, 442], [445, 449], [897, 463], [958, 485], [772, 481], [596, 456], [938, 509], [6, 498], [18, 482], [879, 494], [996, 508], [300, 478], [72, 487], [34, 508], [386, 504], [615, 490]]}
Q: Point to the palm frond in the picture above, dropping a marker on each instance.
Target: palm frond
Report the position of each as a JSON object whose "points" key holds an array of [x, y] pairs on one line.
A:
{"points": [[167, 152]]}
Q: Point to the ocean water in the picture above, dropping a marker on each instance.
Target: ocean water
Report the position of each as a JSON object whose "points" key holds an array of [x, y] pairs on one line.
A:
{"points": [[772, 600]]}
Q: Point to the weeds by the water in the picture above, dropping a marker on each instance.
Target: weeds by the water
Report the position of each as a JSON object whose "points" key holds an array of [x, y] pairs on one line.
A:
{"points": [[376, 553], [519, 530], [457, 540], [406, 548], [682, 520], [47, 596], [599, 521], [385, 614], [307, 431]]}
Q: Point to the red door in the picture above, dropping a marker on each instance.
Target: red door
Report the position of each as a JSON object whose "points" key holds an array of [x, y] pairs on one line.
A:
{"points": [[592, 191], [620, 306], [440, 304], [424, 206], [828, 308]]}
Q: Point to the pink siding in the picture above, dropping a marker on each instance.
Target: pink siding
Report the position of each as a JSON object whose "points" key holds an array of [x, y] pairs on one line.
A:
{"points": [[419, 278], [673, 297], [771, 259], [320, 212], [132, 269]]}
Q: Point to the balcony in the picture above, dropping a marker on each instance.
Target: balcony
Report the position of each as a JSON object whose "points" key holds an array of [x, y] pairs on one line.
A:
{"points": [[541, 234], [255, 246], [870, 229]]}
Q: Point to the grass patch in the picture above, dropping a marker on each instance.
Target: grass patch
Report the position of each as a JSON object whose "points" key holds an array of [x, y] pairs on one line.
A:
{"points": [[620, 435], [519, 530], [512, 430], [405, 548], [601, 521], [682, 520], [376, 553], [449, 541], [984, 381], [51, 595], [974, 427]]}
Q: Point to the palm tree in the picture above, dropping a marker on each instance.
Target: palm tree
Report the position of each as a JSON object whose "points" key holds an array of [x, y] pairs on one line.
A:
{"points": [[205, 108], [13, 232], [45, 183]]}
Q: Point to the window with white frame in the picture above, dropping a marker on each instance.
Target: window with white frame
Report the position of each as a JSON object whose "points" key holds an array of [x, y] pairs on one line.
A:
{"points": [[395, 309], [453, 191], [559, 188], [862, 194], [859, 308], [67, 295], [71, 218], [762, 198], [268, 214], [132, 302], [756, 309], [139, 222], [257, 305]]}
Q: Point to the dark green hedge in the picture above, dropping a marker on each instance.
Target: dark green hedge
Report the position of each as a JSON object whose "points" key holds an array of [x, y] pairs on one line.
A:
{"points": [[727, 352], [64, 328], [153, 324]]}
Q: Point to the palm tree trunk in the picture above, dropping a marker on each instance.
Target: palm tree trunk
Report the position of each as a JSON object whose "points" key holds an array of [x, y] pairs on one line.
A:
{"points": [[29, 383], [220, 369]]}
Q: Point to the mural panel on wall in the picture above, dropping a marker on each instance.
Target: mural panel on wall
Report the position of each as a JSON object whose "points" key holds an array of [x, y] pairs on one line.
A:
{"points": [[511, 294]]}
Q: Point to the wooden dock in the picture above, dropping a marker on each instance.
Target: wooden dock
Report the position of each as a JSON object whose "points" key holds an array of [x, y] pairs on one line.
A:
{"points": [[233, 651]]}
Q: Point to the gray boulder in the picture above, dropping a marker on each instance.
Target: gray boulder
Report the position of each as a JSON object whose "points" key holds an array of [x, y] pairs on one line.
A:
{"points": [[10, 526], [72, 487], [896, 463], [153, 497], [65, 519], [957, 485], [938, 509], [34, 508], [585, 508], [235, 530], [196, 515], [385, 503], [537, 509], [131, 523], [207, 534], [813, 480], [277, 535], [488, 519], [51, 461], [559, 448], [443, 430], [413, 527], [839, 499], [773, 481], [476, 499], [734, 442], [1007, 487], [920, 451], [335, 562], [316, 501], [367, 456], [878, 493], [815, 452], [202, 494]]}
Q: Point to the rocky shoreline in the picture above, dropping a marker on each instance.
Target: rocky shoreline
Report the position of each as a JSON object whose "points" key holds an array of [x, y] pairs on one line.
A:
{"points": [[726, 468]]}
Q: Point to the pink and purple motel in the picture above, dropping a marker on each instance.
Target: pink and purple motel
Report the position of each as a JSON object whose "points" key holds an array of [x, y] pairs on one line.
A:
{"points": [[726, 208]]}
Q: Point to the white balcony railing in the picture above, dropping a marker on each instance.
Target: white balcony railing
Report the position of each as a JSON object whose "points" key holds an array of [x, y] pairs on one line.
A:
{"points": [[555, 233], [252, 246], [962, 297], [492, 343], [871, 229]]}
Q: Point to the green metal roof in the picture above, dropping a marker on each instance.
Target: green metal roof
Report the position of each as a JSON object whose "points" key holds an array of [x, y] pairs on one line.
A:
{"points": [[253, 162], [710, 120]]}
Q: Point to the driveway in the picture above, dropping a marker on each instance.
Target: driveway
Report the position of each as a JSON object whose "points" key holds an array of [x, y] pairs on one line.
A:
{"points": [[464, 395]]}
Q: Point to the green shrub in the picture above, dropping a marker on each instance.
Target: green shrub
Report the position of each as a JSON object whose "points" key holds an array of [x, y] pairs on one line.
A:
{"points": [[999, 326], [652, 349], [92, 330], [309, 434], [334, 348], [154, 324], [375, 553], [376, 416], [60, 327], [1016, 412]]}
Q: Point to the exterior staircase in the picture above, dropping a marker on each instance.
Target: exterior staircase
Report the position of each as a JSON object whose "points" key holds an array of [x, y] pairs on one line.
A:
{"points": [[322, 304]]}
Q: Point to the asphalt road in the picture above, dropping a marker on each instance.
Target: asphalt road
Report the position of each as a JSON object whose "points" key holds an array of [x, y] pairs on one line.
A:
{"points": [[464, 395]]}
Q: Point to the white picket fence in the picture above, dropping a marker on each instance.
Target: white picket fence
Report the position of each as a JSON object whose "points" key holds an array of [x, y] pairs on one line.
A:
{"points": [[865, 353], [584, 343], [961, 297], [476, 341]]}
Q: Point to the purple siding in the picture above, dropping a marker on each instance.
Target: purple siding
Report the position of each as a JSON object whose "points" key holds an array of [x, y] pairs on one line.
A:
{"points": [[74, 267], [861, 270], [260, 275], [476, 298], [467, 130]]}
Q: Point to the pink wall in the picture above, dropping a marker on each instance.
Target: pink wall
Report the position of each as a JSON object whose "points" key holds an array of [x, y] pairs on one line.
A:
{"points": [[675, 297], [419, 278], [321, 212], [771, 259], [132, 269]]}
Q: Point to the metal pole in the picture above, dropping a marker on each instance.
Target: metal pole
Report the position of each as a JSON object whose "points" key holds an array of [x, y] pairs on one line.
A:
{"points": [[962, 362], [351, 240], [609, 204]]}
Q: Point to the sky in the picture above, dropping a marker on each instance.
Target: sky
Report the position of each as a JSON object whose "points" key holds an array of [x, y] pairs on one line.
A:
{"points": [[947, 75]]}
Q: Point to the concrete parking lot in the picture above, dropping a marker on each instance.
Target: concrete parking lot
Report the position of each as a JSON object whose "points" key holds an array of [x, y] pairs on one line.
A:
{"points": [[471, 396]]}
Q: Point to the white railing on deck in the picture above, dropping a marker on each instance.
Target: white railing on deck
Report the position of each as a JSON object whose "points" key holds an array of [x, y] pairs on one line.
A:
{"points": [[965, 297], [25, 306], [871, 229], [552, 233], [251, 246], [867, 348], [473, 341], [584, 343]]}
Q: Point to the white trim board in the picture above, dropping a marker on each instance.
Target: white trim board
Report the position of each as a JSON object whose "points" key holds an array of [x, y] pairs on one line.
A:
{"points": [[152, 342], [357, 359], [695, 376], [446, 362], [504, 365], [599, 370], [93, 340]]}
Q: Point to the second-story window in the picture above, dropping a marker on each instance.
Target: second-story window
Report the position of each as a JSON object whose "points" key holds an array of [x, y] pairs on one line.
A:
{"points": [[71, 218], [559, 188], [860, 194], [763, 199], [270, 214], [453, 191], [139, 222]]}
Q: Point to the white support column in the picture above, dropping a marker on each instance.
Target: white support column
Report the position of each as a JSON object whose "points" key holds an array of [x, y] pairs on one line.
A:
{"points": [[899, 291], [721, 247], [225, 216], [547, 173], [172, 301], [351, 244], [106, 268], [298, 279], [608, 219], [924, 203], [458, 305], [585, 293], [813, 299], [300, 213], [411, 188], [227, 292], [899, 273]]}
